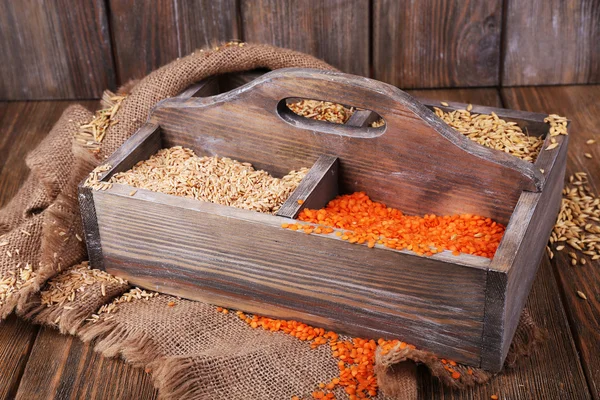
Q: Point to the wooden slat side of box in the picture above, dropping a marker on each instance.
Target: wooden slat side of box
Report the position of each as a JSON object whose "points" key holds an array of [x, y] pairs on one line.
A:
{"points": [[513, 269], [144, 143], [319, 186], [245, 260], [436, 169], [90, 227]]}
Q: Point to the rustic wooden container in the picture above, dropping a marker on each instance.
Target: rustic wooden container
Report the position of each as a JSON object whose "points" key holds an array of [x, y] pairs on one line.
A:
{"points": [[462, 307]]}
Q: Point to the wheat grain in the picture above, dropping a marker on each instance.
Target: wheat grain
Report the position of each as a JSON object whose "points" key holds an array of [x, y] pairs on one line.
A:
{"points": [[494, 132], [178, 171]]}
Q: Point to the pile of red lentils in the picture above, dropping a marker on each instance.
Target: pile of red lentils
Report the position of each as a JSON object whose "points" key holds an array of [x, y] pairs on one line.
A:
{"points": [[362, 220]]}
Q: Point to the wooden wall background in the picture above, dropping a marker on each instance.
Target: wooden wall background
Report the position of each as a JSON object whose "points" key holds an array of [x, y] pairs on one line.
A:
{"points": [[62, 49]]}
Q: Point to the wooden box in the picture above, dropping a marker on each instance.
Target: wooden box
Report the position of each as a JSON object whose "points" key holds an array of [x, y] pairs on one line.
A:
{"points": [[465, 307]]}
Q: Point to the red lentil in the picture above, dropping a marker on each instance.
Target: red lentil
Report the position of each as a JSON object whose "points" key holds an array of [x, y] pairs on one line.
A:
{"points": [[366, 221], [356, 356]]}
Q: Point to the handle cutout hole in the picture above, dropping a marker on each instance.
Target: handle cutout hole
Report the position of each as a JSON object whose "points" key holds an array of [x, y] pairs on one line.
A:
{"points": [[331, 117], [334, 112]]}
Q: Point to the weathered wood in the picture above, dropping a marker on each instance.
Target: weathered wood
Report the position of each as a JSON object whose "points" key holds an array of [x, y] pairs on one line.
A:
{"points": [[580, 104], [542, 375], [244, 260], [63, 367], [22, 127], [319, 186], [148, 33], [549, 42], [362, 118], [16, 340], [141, 146], [513, 268], [207, 87], [405, 149], [437, 43], [54, 50], [335, 31], [552, 371], [145, 143], [89, 221]]}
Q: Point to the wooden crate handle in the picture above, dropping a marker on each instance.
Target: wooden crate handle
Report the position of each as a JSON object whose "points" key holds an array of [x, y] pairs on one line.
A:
{"points": [[415, 155]]}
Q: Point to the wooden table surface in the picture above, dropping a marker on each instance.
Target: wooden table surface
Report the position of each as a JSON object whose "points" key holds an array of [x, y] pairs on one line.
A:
{"points": [[40, 363]]}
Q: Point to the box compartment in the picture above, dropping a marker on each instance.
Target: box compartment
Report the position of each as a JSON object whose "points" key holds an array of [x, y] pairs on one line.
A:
{"points": [[461, 307]]}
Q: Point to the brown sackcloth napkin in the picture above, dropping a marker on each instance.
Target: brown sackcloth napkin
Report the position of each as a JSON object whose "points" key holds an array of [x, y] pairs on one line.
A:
{"points": [[190, 349]]}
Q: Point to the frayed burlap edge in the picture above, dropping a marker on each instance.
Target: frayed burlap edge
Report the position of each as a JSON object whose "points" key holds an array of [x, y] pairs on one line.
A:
{"points": [[527, 338], [60, 251], [174, 379]]}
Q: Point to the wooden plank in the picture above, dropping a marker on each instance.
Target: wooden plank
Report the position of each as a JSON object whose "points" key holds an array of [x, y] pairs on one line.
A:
{"points": [[554, 370], [437, 43], [202, 251], [16, 340], [514, 267], [63, 367], [22, 127], [148, 33], [549, 42], [335, 31], [54, 50], [415, 147], [319, 186], [580, 104]]}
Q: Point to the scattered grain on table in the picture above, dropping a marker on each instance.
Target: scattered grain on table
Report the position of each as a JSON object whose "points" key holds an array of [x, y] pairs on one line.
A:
{"points": [[179, 171], [492, 131], [578, 222]]}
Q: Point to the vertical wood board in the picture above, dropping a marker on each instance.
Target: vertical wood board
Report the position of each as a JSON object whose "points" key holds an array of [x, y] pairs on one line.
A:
{"points": [[551, 42], [54, 50], [336, 31], [437, 43]]}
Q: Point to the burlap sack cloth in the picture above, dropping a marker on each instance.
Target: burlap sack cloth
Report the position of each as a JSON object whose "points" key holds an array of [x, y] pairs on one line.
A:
{"points": [[191, 350]]}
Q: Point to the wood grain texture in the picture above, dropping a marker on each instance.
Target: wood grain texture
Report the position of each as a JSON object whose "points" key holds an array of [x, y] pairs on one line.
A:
{"points": [[319, 186], [580, 104], [336, 31], [514, 267], [553, 371], [63, 367], [464, 178], [16, 340], [54, 50], [23, 125], [551, 42], [227, 256], [148, 34], [437, 43]]}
